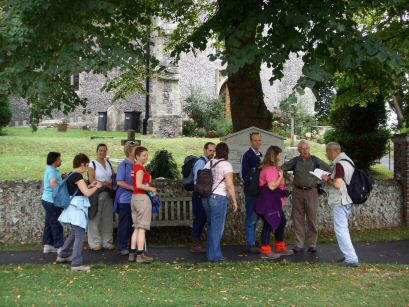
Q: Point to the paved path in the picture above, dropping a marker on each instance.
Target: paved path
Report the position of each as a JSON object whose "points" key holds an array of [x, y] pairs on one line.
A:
{"points": [[385, 162], [378, 252]]}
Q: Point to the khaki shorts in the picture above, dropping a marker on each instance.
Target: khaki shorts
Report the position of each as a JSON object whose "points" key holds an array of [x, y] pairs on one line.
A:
{"points": [[141, 211]]}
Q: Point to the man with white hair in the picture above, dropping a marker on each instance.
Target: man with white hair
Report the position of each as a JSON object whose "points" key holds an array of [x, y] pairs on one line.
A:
{"points": [[340, 200], [305, 196]]}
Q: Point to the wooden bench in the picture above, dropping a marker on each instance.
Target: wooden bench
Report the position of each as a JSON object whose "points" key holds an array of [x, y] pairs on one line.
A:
{"points": [[175, 211]]}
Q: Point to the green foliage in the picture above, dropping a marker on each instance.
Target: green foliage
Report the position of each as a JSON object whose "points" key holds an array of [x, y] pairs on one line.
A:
{"points": [[201, 132], [324, 92], [163, 165], [5, 112], [361, 131], [204, 111], [189, 128]]}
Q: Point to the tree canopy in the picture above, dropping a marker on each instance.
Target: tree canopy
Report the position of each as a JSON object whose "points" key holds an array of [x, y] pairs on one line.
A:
{"points": [[43, 42]]}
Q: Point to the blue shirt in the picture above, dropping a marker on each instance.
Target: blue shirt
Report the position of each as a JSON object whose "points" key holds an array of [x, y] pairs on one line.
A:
{"points": [[199, 164], [50, 173], [125, 170]]}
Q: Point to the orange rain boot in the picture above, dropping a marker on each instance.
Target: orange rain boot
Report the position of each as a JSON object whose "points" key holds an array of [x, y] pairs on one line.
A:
{"points": [[267, 252], [281, 249]]}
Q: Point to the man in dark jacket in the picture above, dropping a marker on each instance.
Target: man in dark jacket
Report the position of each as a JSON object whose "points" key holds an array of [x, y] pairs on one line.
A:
{"points": [[305, 196], [251, 160]]}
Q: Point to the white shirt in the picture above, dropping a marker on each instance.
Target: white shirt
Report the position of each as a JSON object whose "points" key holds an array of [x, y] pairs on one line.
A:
{"points": [[102, 173]]}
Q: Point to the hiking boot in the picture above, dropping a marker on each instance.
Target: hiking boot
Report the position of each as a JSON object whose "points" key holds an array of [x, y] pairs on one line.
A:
{"points": [[110, 247], [281, 249], [197, 247], [298, 250], [270, 256], [132, 257], [81, 268], [63, 259], [312, 249], [143, 259], [252, 249], [49, 249]]}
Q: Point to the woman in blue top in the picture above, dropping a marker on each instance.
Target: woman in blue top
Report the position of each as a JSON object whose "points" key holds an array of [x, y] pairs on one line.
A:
{"points": [[53, 236], [123, 197]]}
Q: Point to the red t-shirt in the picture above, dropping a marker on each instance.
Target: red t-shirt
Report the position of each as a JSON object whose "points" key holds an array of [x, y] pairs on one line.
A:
{"points": [[146, 178]]}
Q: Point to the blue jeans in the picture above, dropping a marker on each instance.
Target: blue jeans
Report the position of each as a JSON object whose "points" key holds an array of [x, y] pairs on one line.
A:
{"points": [[199, 216], [53, 232], [341, 215], [216, 210], [251, 220], [124, 230]]}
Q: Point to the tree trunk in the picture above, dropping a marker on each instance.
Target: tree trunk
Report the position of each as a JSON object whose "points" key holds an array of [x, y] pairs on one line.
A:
{"points": [[246, 93], [246, 99]]}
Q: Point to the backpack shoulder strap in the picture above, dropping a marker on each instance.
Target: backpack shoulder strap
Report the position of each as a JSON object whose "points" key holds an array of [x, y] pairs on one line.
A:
{"points": [[352, 164], [214, 165], [112, 169]]}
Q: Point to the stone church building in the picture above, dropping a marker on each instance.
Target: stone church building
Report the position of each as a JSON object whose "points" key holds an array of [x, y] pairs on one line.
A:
{"points": [[167, 92]]}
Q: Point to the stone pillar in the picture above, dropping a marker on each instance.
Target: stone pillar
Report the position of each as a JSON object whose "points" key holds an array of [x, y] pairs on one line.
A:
{"points": [[166, 108], [401, 169]]}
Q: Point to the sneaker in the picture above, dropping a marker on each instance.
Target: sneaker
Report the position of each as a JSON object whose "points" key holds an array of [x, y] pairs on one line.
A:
{"points": [[266, 249], [124, 252], [270, 256], [351, 264], [285, 252], [81, 268], [96, 248], [197, 249], [131, 257], [312, 249], [49, 249], [63, 259], [281, 248], [297, 249], [143, 259], [252, 249]]}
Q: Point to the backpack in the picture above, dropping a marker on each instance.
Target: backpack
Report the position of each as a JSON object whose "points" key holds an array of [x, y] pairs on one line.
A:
{"points": [[320, 189], [204, 180], [187, 172], [252, 185], [61, 197], [360, 186]]}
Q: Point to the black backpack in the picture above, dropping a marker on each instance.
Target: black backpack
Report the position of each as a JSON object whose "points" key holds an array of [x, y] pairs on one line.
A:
{"points": [[204, 180], [251, 184], [360, 186], [187, 172]]}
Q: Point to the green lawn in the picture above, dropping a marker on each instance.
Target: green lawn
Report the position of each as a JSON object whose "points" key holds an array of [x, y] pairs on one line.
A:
{"points": [[244, 284], [23, 152]]}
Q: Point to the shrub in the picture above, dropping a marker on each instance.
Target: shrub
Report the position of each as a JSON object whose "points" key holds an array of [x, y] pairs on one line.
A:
{"points": [[211, 134], [189, 128], [201, 132], [163, 165], [361, 131], [203, 110], [5, 111]]}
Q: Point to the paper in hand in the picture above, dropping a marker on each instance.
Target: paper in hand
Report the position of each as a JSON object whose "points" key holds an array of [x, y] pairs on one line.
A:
{"points": [[319, 173]]}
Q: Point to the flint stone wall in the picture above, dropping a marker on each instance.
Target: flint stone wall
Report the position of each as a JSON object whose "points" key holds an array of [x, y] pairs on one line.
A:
{"points": [[22, 215]]}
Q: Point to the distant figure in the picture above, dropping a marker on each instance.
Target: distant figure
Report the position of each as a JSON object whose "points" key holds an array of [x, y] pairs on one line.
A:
{"points": [[250, 163], [53, 235], [216, 204], [100, 227], [342, 204], [141, 207], [305, 196], [123, 197], [76, 214], [199, 213]]}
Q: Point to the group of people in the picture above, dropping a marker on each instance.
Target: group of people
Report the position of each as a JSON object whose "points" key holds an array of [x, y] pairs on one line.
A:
{"points": [[131, 202]]}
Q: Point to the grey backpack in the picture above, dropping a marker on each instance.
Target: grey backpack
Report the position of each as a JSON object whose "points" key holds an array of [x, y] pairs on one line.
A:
{"points": [[204, 180]]}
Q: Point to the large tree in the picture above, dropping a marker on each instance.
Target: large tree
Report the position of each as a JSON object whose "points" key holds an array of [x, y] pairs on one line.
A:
{"points": [[43, 42]]}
